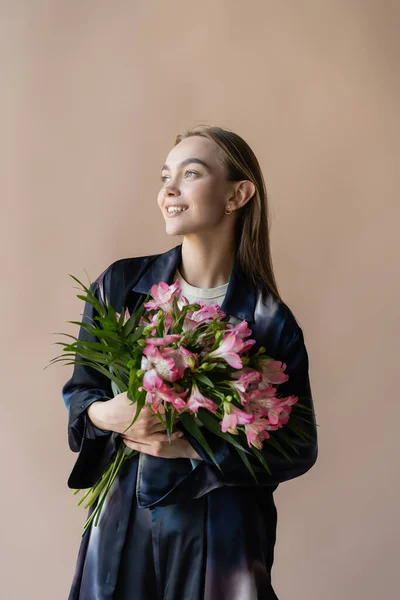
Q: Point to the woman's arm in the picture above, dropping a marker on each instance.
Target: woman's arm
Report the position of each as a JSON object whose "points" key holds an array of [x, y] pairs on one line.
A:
{"points": [[97, 417]]}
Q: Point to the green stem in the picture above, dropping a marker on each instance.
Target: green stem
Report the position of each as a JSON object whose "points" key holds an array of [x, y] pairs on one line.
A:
{"points": [[113, 475], [95, 489]]}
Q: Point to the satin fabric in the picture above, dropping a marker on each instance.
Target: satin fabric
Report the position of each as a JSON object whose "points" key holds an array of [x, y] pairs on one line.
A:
{"points": [[217, 547], [152, 483]]}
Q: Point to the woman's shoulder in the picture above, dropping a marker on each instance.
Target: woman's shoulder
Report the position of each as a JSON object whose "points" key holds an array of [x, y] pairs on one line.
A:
{"points": [[124, 269], [283, 319], [120, 276]]}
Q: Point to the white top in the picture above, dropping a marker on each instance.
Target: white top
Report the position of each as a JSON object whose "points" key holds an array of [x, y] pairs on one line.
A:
{"points": [[209, 296]]}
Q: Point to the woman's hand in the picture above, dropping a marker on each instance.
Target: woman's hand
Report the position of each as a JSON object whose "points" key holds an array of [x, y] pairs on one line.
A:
{"points": [[146, 435], [118, 413], [178, 448]]}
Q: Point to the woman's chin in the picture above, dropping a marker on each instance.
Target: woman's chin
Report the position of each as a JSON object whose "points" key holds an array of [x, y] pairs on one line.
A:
{"points": [[172, 229]]}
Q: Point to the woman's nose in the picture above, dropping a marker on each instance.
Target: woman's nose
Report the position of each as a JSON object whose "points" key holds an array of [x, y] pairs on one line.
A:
{"points": [[171, 191]]}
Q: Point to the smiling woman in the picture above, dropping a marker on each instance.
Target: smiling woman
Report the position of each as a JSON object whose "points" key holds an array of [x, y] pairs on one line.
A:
{"points": [[173, 526]]}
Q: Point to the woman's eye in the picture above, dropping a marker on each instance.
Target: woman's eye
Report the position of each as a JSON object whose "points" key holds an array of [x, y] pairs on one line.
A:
{"points": [[163, 177]]}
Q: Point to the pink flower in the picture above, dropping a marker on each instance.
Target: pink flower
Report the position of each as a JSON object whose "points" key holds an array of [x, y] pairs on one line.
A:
{"points": [[233, 417], [206, 314], [182, 301], [159, 392], [163, 295], [242, 379], [126, 316], [151, 323], [168, 339], [164, 365], [273, 371], [257, 432], [196, 400], [157, 399], [286, 406], [241, 329], [170, 363], [228, 350], [152, 381], [263, 401]]}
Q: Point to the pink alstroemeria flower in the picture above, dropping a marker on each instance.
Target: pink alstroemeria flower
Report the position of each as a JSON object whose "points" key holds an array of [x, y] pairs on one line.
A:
{"points": [[273, 372], [233, 418], [242, 379], [163, 295], [158, 392], [163, 364], [205, 314], [152, 323], [163, 341], [157, 399], [264, 402], [257, 432], [242, 329], [286, 405], [170, 363], [182, 301], [196, 400], [127, 316], [183, 358], [228, 350]]}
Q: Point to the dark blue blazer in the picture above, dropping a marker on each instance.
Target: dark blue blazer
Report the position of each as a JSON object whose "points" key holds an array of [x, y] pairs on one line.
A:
{"points": [[126, 282]]}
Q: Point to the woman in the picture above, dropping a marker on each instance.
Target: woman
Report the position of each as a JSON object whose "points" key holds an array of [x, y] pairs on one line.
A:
{"points": [[173, 527]]}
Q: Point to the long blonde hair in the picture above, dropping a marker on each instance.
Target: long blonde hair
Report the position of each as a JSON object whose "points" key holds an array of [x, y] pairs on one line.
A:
{"points": [[252, 225]]}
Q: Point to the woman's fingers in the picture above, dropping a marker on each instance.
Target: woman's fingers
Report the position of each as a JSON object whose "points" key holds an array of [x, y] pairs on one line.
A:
{"points": [[153, 437]]}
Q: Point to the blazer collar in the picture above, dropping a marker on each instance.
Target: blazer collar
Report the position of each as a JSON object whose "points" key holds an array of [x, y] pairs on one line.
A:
{"points": [[240, 296]]}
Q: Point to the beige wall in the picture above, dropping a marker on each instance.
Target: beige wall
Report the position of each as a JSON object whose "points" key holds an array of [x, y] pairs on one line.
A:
{"points": [[92, 95]]}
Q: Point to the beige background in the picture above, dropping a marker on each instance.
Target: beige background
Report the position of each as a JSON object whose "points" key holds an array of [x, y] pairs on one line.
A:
{"points": [[92, 95]]}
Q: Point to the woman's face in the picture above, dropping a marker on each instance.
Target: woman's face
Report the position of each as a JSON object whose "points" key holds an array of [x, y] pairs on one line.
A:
{"points": [[200, 191]]}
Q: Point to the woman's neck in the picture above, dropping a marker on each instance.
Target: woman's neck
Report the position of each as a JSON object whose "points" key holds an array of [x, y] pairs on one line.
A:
{"points": [[207, 263]]}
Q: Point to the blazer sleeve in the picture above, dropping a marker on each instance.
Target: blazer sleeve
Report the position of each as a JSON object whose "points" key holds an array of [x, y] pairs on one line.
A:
{"points": [[86, 385], [296, 358]]}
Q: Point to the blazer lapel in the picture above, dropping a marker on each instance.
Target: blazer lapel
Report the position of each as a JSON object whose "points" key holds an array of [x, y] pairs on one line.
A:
{"points": [[240, 299]]}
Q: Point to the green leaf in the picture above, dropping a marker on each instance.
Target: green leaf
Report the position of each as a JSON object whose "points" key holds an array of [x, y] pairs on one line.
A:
{"points": [[66, 334], [83, 286], [98, 346], [213, 425], [278, 446], [99, 308], [246, 462], [169, 421], [129, 325], [133, 383], [103, 371], [287, 439], [305, 420], [261, 459], [189, 423], [136, 335], [204, 379], [303, 407]]}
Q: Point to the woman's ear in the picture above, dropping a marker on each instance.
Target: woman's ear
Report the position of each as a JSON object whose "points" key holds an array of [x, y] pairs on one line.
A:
{"points": [[244, 192]]}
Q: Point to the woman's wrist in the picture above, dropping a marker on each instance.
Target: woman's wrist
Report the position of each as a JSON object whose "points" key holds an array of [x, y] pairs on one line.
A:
{"points": [[98, 414]]}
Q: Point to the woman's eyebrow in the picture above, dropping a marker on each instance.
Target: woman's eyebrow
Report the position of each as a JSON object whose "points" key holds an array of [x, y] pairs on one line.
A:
{"points": [[187, 161]]}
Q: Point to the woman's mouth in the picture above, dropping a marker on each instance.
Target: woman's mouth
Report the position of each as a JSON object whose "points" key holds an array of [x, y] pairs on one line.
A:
{"points": [[174, 211]]}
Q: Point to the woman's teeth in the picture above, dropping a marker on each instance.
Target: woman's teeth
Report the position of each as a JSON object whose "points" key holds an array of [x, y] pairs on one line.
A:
{"points": [[175, 209]]}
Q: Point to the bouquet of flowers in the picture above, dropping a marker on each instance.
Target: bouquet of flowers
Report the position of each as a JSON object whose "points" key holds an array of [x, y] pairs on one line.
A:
{"points": [[188, 363]]}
